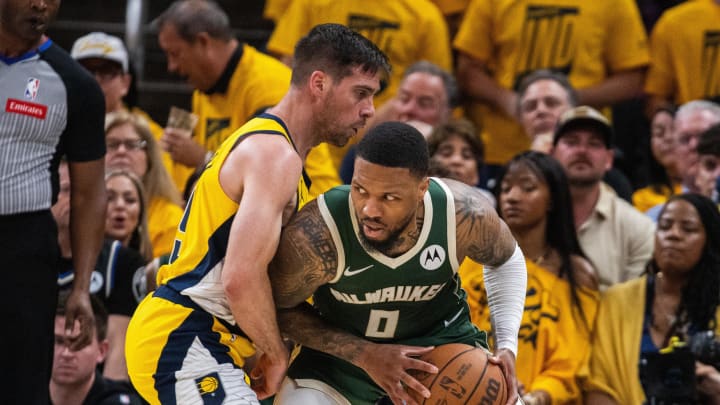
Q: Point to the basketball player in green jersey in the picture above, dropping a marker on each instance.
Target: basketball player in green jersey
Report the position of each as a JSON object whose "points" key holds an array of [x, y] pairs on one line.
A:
{"points": [[380, 258]]}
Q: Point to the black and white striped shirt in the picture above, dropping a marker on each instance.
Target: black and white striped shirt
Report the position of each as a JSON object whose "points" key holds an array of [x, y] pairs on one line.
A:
{"points": [[49, 107]]}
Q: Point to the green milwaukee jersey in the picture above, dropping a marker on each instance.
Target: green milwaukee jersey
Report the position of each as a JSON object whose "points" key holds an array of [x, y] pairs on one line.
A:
{"points": [[412, 299], [414, 296]]}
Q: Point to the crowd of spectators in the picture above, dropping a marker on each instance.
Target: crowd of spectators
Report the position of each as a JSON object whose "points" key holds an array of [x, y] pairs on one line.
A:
{"points": [[618, 223]]}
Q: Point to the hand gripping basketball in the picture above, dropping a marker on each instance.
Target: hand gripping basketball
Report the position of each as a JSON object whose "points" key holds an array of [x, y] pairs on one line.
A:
{"points": [[465, 376]]}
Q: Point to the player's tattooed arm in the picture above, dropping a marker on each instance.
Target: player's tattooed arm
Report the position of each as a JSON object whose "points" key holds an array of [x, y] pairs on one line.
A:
{"points": [[304, 326], [481, 234], [305, 259]]}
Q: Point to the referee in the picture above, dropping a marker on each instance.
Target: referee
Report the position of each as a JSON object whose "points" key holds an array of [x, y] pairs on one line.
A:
{"points": [[49, 107]]}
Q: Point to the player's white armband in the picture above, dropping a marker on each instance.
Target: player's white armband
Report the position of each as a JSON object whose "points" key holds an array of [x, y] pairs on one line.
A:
{"points": [[505, 286]]}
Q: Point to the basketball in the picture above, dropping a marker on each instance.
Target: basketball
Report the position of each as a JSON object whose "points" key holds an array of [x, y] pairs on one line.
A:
{"points": [[465, 376]]}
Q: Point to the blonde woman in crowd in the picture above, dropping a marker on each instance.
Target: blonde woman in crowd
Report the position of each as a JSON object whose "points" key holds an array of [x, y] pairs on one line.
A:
{"points": [[131, 146], [125, 222], [126, 219]]}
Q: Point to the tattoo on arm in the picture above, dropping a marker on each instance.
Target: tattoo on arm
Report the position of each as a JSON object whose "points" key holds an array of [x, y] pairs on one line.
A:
{"points": [[306, 258], [481, 234], [303, 325]]}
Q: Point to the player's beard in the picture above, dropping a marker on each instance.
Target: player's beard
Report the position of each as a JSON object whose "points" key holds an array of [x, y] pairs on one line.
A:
{"points": [[390, 243], [332, 131]]}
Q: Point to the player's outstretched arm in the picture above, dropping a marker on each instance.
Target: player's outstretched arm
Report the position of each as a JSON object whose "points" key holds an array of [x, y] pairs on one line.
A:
{"points": [[261, 174], [486, 239], [386, 364]]}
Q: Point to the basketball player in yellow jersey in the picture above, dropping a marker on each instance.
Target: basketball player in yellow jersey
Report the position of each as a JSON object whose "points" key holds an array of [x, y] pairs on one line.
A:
{"points": [[187, 342]]}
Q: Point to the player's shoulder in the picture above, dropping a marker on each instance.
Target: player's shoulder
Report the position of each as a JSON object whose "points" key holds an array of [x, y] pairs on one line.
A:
{"points": [[267, 148], [465, 195]]}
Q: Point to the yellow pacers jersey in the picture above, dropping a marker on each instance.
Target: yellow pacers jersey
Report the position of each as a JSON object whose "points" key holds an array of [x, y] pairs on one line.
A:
{"points": [[587, 40], [553, 343], [202, 236], [685, 53]]}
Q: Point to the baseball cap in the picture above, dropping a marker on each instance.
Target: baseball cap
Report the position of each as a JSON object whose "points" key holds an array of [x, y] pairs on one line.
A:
{"points": [[583, 117], [100, 45]]}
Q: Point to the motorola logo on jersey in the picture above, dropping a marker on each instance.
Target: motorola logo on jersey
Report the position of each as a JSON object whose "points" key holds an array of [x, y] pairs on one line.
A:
{"points": [[432, 257]]}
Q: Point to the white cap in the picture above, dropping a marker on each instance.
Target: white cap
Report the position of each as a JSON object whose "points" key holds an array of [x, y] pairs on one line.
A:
{"points": [[100, 45]]}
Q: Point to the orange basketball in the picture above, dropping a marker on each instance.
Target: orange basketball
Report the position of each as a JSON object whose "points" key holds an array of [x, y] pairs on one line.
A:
{"points": [[465, 376]]}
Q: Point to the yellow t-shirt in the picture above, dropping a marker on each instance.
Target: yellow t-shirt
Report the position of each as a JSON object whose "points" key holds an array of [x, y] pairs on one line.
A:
{"points": [[163, 217], [588, 40], [448, 7], [553, 344], [259, 81], [274, 9], [406, 30], [645, 198], [685, 53]]}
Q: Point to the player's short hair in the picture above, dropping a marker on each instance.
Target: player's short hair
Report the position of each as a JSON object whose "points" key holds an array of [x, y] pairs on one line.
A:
{"points": [[396, 144], [336, 49], [191, 17]]}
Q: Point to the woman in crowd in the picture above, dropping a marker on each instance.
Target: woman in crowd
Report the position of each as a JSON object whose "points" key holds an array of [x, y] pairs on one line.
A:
{"points": [[677, 298], [534, 200], [125, 222], [456, 146], [664, 176], [126, 219], [456, 151], [131, 146]]}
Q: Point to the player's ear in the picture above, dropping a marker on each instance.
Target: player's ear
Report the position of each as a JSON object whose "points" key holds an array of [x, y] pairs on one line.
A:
{"points": [[318, 83], [422, 188]]}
